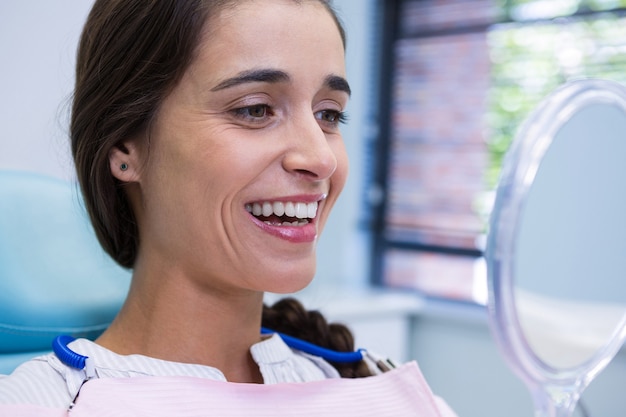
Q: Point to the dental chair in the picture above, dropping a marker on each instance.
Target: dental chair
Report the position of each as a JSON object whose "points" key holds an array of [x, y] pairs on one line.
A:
{"points": [[54, 276]]}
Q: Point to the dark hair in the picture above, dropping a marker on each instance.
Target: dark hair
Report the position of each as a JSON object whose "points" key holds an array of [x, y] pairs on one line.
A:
{"points": [[132, 53], [130, 56]]}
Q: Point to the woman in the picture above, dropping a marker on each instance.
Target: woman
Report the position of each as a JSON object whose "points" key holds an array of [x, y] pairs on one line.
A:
{"points": [[244, 122], [207, 145]]}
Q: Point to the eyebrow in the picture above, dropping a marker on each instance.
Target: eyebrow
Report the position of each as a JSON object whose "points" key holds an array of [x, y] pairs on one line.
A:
{"points": [[334, 82], [253, 76]]}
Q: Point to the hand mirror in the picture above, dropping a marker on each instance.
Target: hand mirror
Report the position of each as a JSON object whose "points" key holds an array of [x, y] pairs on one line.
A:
{"points": [[556, 248]]}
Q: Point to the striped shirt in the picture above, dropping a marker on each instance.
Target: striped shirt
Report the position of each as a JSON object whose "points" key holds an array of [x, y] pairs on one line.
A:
{"points": [[47, 382]]}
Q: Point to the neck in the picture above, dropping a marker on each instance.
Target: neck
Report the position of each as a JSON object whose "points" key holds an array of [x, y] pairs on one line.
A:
{"points": [[169, 317]]}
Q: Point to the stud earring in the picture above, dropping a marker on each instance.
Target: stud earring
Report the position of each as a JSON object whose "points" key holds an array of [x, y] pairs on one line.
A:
{"points": [[124, 166]]}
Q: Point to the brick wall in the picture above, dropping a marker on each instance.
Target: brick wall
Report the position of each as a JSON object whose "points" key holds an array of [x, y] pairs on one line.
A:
{"points": [[438, 154]]}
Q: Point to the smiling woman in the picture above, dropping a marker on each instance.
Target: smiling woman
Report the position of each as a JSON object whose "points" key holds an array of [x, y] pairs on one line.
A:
{"points": [[208, 150]]}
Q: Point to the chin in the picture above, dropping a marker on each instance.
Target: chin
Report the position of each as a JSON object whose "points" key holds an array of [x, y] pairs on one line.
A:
{"points": [[290, 289], [287, 282]]}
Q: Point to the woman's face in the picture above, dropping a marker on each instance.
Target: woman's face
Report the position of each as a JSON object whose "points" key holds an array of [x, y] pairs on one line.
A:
{"points": [[245, 156]]}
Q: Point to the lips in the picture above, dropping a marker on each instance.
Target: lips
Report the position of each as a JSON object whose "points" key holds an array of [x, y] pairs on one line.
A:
{"points": [[289, 220]]}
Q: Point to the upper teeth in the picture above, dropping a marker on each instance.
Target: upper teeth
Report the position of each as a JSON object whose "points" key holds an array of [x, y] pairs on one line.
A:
{"points": [[278, 208]]}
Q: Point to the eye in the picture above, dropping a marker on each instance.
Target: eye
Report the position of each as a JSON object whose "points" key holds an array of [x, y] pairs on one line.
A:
{"points": [[333, 117], [258, 111]]}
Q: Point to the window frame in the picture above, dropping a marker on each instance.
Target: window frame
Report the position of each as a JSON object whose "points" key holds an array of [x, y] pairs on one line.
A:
{"points": [[380, 181]]}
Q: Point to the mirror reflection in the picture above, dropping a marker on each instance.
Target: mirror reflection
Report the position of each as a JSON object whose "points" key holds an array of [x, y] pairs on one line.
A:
{"points": [[557, 243], [570, 261]]}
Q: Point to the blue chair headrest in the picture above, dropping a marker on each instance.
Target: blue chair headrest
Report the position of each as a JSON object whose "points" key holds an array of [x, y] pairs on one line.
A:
{"points": [[54, 276]]}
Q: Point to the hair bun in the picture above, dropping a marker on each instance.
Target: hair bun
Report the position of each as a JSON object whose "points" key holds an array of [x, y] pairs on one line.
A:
{"points": [[289, 316]]}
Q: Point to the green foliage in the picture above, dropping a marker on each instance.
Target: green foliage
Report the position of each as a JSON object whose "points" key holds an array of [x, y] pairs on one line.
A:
{"points": [[522, 10], [531, 60]]}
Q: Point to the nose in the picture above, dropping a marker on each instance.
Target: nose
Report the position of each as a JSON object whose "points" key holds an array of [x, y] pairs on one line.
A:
{"points": [[309, 153]]}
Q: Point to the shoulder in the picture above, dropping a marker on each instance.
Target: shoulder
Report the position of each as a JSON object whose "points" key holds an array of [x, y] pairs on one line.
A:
{"points": [[36, 382]]}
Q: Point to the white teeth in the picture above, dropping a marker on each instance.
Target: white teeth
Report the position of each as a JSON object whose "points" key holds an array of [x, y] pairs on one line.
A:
{"points": [[301, 210], [290, 210], [279, 208], [296, 210]]}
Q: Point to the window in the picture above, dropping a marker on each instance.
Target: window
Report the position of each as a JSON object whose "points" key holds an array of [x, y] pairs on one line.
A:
{"points": [[458, 79]]}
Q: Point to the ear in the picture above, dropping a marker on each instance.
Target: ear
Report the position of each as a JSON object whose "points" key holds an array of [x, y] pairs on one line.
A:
{"points": [[125, 161]]}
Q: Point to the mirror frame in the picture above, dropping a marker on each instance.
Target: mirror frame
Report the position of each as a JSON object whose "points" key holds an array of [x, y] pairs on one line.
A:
{"points": [[518, 173]]}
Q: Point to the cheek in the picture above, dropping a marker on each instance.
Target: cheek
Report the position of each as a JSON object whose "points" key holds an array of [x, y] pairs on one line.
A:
{"points": [[338, 180], [341, 173]]}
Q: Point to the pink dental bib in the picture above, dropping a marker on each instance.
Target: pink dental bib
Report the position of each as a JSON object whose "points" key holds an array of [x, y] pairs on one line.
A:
{"points": [[398, 393]]}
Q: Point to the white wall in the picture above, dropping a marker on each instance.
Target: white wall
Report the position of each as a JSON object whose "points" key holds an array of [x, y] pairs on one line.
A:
{"points": [[37, 44]]}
